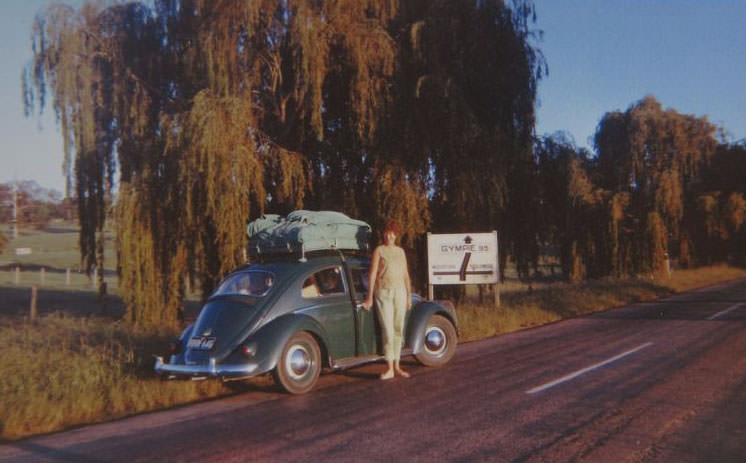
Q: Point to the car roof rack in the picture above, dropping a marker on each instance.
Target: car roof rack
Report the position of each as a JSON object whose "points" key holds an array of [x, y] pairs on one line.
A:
{"points": [[304, 232], [303, 257]]}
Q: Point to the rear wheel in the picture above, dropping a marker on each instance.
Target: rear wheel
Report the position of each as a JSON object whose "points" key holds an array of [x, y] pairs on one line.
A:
{"points": [[299, 365], [439, 343]]}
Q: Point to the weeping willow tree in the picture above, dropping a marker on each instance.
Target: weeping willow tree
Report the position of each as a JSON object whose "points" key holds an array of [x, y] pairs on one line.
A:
{"points": [[657, 189], [463, 117], [568, 203], [655, 158], [193, 116]]}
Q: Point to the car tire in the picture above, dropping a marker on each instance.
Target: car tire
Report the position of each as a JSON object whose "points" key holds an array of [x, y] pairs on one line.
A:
{"points": [[438, 343], [300, 364]]}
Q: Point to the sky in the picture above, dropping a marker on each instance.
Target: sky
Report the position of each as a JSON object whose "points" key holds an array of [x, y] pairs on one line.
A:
{"points": [[603, 55]]}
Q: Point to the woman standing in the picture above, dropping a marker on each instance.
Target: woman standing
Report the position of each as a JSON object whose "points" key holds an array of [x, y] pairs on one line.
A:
{"points": [[390, 283]]}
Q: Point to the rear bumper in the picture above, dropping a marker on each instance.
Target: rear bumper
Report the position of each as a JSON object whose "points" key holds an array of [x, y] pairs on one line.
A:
{"points": [[211, 369]]}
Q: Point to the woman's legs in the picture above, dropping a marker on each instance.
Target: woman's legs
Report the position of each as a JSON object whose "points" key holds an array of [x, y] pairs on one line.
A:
{"points": [[385, 304], [399, 314], [392, 309]]}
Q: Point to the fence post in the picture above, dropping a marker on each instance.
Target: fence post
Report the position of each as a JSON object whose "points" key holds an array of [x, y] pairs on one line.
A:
{"points": [[32, 309], [42, 276], [67, 277], [497, 270]]}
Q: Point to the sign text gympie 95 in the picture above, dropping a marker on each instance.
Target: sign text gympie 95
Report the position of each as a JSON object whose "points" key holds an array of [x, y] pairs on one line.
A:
{"points": [[462, 258]]}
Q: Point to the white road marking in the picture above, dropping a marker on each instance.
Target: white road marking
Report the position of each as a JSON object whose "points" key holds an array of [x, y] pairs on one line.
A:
{"points": [[577, 373], [733, 307]]}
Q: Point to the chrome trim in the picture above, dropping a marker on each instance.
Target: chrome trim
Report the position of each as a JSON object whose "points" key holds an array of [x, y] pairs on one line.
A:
{"points": [[435, 341], [350, 362], [298, 361], [213, 369]]}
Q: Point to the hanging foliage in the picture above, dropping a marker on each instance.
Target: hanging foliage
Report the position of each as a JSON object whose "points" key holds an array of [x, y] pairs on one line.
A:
{"points": [[657, 158], [212, 112]]}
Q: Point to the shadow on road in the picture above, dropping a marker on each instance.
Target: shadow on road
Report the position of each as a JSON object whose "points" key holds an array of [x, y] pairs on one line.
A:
{"points": [[258, 384], [53, 454]]}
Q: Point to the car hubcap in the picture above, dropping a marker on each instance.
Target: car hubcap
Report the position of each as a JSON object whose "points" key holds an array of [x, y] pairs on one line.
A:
{"points": [[435, 340], [298, 361]]}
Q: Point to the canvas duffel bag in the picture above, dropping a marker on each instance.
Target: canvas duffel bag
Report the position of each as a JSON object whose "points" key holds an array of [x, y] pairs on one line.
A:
{"points": [[306, 231]]}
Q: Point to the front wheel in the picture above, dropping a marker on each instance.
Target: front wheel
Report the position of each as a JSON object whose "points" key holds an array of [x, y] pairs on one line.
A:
{"points": [[300, 364], [439, 343]]}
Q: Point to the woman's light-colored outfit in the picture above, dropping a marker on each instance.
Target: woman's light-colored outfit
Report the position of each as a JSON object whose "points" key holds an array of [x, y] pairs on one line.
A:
{"points": [[391, 299]]}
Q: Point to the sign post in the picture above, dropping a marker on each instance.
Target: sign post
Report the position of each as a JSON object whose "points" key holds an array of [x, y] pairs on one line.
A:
{"points": [[463, 259]]}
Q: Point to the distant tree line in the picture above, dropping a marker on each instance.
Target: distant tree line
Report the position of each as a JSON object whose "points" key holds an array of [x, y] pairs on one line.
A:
{"points": [[35, 206], [659, 187], [213, 112]]}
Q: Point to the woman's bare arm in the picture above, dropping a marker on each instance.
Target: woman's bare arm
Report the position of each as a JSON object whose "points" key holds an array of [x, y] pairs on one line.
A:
{"points": [[407, 280], [372, 273]]}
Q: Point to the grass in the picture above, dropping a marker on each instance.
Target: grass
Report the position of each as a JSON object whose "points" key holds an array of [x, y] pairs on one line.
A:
{"points": [[550, 302], [62, 371], [55, 247]]}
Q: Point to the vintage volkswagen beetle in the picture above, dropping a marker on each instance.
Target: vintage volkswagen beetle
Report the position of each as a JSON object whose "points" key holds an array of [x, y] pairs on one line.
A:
{"points": [[293, 317]]}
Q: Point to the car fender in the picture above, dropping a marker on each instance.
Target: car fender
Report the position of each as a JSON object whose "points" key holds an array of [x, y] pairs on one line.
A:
{"points": [[271, 338], [183, 340], [186, 334], [421, 313]]}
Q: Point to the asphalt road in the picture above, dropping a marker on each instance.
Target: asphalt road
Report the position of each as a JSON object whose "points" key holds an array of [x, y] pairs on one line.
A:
{"points": [[652, 382]]}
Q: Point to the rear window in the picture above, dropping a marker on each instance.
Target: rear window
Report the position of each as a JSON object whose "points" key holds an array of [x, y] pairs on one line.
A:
{"points": [[253, 283]]}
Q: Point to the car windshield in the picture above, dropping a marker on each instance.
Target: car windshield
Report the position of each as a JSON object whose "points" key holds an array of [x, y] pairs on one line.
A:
{"points": [[253, 283]]}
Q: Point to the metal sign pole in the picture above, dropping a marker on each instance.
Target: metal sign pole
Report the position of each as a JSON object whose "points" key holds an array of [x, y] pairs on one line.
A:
{"points": [[430, 288], [497, 271]]}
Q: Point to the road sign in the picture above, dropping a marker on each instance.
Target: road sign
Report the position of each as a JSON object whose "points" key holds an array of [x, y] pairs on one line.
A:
{"points": [[462, 258]]}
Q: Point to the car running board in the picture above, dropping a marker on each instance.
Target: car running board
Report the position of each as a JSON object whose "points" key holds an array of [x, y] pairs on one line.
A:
{"points": [[350, 362]]}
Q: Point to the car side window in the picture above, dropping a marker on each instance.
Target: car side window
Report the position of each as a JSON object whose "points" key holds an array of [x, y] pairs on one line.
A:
{"points": [[360, 281], [327, 282]]}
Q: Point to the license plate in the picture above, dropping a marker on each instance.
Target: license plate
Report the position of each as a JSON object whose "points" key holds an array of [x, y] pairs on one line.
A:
{"points": [[201, 343]]}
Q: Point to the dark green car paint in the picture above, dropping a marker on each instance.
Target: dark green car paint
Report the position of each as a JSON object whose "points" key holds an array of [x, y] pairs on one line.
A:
{"points": [[417, 322], [342, 330], [271, 338]]}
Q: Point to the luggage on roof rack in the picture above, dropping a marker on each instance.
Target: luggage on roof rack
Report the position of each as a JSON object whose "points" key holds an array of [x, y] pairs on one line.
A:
{"points": [[307, 231]]}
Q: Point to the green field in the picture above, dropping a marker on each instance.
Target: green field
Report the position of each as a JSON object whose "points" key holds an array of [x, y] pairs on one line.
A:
{"points": [[55, 250], [76, 364]]}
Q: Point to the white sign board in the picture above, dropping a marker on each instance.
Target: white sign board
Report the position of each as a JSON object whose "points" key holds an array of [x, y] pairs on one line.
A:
{"points": [[462, 259], [23, 251]]}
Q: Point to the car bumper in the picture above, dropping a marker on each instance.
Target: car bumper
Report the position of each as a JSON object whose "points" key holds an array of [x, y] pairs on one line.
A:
{"points": [[211, 369]]}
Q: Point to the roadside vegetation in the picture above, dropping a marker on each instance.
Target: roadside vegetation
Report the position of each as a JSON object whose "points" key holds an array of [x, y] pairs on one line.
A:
{"points": [[64, 370], [556, 301]]}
